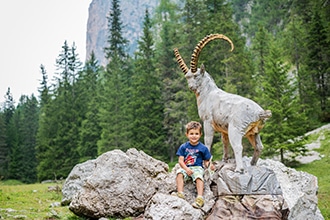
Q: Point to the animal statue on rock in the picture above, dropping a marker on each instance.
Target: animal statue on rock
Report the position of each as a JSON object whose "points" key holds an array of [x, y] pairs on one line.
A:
{"points": [[232, 115]]}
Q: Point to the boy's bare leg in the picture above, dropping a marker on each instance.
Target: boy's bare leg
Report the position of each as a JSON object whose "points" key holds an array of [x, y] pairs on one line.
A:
{"points": [[199, 187], [179, 182], [199, 201]]}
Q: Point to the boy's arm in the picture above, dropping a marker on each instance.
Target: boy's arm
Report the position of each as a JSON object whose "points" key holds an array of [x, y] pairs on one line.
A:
{"points": [[184, 166], [181, 162], [207, 164]]}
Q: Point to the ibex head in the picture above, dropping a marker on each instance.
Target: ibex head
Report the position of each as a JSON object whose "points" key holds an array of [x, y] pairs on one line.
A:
{"points": [[194, 57]]}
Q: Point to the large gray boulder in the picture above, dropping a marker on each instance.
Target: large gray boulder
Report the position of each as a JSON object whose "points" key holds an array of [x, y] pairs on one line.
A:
{"points": [[76, 180], [120, 185], [299, 190], [133, 184]]}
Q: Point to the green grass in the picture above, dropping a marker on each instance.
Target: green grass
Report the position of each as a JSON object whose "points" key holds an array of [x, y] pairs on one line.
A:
{"points": [[321, 169], [31, 201]]}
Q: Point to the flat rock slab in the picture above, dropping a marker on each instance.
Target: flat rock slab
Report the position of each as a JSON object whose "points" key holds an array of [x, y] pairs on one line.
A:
{"points": [[255, 180]]}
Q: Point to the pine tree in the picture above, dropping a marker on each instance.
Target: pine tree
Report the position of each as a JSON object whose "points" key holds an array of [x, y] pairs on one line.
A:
{"points": [[318, 63], [175, 115], [116, 42], [9, 136], [90, 129], [261, 50], [115, 112], [29, 132], [193, 14], [272, 15], [46, 127], [15, 156], [233, 71], [24, 124], [280, 96], [240, 9], [293, 41], [188, 33], [9, 106], [44, 89], [45, 146], [3, 146], [57, 151], [215, 55], [146, 97]]}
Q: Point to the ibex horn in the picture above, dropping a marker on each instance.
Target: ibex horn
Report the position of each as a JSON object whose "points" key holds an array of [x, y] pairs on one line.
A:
{"points": [[201, 44], [179, 59]]}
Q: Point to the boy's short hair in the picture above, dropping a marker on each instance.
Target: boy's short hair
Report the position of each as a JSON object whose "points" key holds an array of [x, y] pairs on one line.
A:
{"points": [[193, 125]]}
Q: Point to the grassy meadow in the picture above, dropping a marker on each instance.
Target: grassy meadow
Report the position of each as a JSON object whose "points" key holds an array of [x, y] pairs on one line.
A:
{"points": [[36, 201], [32, 201], [321, 169]]}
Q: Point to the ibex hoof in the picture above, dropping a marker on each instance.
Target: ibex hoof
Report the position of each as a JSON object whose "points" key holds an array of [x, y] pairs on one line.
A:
{"points": [[253, 162]]}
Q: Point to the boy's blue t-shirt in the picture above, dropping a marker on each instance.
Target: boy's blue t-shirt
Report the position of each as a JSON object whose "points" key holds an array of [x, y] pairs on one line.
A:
{"points": [[194, 155]]}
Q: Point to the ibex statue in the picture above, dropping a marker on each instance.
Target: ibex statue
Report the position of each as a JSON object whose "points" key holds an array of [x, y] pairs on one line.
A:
{"points": [[232, 115]]}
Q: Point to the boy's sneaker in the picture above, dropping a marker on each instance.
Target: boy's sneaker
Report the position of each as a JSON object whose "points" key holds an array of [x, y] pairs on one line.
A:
{"points": [[178, 194], [199, 202]]}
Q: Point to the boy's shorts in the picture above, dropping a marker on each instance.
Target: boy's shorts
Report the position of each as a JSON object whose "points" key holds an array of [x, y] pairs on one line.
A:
{"points": [[198, 173]]}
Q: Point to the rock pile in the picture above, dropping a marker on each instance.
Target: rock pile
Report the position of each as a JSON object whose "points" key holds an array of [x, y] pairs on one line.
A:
{"points": [[133, 184]]}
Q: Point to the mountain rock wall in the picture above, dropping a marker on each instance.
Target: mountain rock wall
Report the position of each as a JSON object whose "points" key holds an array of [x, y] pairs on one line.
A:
{"points": [[132, 16]]}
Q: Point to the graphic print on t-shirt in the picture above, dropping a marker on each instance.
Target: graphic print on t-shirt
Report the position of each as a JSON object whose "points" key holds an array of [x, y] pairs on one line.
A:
{"points": [[191, 157]]}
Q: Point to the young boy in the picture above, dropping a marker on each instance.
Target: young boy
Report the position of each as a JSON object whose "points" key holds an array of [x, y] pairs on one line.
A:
{"points": [[192, 155]]}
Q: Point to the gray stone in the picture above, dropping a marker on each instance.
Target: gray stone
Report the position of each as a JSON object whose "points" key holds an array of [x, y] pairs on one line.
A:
{"points": [[299, 190], [249, 207], [133, 184], [167, 207], [120, 185], [76, 179], [255, 180]]}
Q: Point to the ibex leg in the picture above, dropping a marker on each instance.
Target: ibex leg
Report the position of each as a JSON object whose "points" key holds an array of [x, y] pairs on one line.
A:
{"points": [[208, 134], [257, 144], [225, 142], [235, 138]]}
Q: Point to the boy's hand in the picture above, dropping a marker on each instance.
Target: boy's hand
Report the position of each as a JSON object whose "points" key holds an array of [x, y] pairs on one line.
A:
{"points": [[189, 171], [209, 165]]}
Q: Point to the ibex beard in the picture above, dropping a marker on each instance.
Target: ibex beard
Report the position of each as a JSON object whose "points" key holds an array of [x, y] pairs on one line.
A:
{"points": [[231, 115]]}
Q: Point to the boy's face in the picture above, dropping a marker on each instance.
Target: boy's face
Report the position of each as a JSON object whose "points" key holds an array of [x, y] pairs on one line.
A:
{"points": [[193, 136]]}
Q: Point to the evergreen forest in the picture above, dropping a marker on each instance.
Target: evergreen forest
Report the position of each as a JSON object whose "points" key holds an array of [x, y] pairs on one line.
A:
{"points": [[281, 60]]}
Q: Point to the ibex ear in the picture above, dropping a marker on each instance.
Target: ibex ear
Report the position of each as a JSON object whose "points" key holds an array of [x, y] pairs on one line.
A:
{"points": [[202, 69]]}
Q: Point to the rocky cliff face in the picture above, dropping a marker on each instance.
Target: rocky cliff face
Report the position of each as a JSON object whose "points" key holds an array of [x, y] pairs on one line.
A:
{"points": [[133, 12]]}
